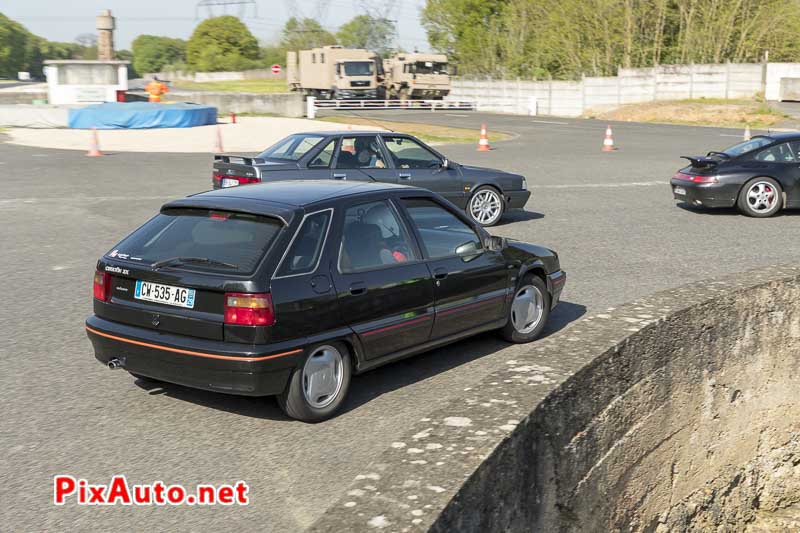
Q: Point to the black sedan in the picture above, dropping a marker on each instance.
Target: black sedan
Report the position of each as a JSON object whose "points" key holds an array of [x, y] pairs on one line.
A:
{"points": [[289, 288], [385, 157], [760, 176]]}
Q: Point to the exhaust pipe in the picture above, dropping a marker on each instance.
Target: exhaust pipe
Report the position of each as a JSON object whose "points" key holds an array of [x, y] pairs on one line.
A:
{"points": [[114, 363]]}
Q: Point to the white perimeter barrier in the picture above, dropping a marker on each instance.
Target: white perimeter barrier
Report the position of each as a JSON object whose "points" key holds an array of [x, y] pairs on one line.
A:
{"points": [[313, 104]]}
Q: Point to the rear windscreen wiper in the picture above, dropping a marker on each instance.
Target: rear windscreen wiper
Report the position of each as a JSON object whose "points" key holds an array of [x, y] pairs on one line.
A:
{"points": [[195, 260]]}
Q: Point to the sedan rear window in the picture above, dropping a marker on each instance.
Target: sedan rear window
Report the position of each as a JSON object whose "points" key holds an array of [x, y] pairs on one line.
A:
{"points": [[200, 239], [292, 148]]}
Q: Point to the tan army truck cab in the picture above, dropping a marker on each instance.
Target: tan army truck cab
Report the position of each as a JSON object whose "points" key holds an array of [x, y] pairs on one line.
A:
{"points": [[334, 72], [417, 76]]}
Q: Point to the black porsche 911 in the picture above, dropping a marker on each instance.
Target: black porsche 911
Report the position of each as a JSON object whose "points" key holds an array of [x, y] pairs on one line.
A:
{"points": [[289, 288], [760, 176], [385, 157]]}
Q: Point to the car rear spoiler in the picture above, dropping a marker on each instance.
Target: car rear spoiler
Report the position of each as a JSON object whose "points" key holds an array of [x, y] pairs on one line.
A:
{"points": [[239, 159], [701, 161]]}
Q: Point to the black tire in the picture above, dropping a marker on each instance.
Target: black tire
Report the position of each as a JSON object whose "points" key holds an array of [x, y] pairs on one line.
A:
{"points": [[479, 193], [145, 378], [510, 332], [294, 401], [753, 204]]}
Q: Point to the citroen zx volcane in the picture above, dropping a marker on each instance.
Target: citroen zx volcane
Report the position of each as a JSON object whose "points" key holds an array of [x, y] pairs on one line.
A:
{"points": [[289, 288]]}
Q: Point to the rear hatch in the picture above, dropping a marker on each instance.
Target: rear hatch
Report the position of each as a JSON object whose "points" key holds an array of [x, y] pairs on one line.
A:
{"points": [[232, 170], [173, 273]]}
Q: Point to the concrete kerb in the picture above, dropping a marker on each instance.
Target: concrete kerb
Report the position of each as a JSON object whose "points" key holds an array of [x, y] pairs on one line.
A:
{"points": [[494, 459]]}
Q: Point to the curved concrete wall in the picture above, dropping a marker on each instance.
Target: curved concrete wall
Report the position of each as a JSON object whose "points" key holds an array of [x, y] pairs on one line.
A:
{"points": [[676, 412]]}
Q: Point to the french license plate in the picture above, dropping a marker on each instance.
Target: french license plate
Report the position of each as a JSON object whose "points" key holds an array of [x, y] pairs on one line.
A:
{"points": [[164, 294], [679, 190]]}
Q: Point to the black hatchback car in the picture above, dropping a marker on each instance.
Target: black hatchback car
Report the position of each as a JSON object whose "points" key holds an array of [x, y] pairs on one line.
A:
{"points": [[385, 157], [760, 176], [289, 288]]}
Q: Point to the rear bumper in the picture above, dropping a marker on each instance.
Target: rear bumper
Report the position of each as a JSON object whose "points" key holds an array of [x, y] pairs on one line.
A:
{"points": [[555, 284], [248, 370], [516, 199], [705, 194]]}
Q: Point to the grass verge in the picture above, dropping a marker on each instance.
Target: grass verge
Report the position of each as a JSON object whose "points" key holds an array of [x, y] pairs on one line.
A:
{"points": [[428, 133], [264, 86], [700, 112]]}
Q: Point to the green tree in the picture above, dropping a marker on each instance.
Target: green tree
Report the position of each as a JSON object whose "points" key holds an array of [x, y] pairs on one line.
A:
{"points": [[304, 34], [16, 46], [152, 52], [222, 43], [364, 31]]}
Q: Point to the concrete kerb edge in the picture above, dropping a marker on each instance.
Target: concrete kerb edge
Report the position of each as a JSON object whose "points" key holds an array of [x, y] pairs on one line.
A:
{"points": [[421, 474]]}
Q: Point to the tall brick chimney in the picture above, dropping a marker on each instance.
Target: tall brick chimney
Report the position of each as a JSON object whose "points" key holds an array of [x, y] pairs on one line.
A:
{"points": [[105, 36]]}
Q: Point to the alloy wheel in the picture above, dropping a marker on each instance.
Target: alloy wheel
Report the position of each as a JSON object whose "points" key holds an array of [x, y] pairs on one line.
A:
{"points": [[762, 197], [527, 309], [486, 206]]}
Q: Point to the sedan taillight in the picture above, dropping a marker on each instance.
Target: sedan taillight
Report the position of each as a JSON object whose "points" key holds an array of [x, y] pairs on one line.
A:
{"points": [[102, 286], [249, 309], [224, 181]]}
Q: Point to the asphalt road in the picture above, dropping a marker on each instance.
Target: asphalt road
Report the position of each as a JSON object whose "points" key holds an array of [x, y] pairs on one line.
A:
{"points": [[609, 215]]}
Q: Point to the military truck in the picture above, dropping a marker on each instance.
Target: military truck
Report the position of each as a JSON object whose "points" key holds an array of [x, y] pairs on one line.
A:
{"points": [[417, 76], [334, 72]]}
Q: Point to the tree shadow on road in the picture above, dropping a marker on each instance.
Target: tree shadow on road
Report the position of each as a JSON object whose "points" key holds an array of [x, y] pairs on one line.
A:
{"points": [[373, 384]]}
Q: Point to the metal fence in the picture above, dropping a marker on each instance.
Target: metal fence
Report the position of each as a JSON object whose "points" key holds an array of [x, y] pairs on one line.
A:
{"points": [[313, 105]]}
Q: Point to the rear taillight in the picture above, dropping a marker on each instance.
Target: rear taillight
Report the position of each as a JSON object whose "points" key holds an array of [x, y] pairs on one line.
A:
{"points": [[224, 180], [249, 309], [102, 286], [696, 178]]}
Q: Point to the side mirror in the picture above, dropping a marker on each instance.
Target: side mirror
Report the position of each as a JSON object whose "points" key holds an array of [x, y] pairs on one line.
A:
{"points": [[445, 163], [469, 250]]}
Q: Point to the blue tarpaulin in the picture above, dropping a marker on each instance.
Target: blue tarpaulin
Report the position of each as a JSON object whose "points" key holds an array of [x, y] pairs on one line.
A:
{"points": [[139, 115]]}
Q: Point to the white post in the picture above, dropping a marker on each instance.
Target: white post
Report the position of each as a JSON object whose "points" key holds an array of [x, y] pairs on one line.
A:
{"points": [[311, 110], [532, 106]]}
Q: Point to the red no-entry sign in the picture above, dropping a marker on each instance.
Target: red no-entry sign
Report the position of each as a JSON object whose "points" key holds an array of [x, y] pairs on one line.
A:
{"points": [[276, 69]]}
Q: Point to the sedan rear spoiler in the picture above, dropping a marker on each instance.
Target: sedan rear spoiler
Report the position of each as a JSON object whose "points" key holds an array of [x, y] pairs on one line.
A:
{"points": [[701, 161], [239, 159]]}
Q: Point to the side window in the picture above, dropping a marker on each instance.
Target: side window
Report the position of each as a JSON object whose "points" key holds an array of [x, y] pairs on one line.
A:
{"points": [[408, 153], [443, 234], [780, 153], [324, 157], [373, 237], [306, 248], [360, 152]]}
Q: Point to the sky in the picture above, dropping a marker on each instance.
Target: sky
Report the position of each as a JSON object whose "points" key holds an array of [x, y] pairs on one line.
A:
{"points": [[63, 20]]}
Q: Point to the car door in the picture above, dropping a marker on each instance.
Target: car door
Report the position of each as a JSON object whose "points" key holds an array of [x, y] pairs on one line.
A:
{"points": [[318, 165], [384, 288], [419, 166], [792, 172], [361, 157], [471, 283]]}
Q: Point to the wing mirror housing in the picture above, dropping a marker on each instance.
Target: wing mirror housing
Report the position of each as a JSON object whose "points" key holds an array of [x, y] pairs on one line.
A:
{"points": [[469, 250], [495, 243]]}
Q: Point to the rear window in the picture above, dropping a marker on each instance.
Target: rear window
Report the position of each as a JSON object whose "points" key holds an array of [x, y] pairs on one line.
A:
{"points": [[217, 241], [292, 148]]}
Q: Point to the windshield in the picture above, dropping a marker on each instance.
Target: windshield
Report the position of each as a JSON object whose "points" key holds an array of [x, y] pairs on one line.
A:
{"points": [[430, 67], [224, 241], [747, 146], [359, 68], [292, 148]]}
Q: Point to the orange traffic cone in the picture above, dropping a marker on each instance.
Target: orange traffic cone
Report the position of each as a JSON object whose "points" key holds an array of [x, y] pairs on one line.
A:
{"points": [[218, 145], [747, 132], [608, 142], [94, 148], [483, 143]]}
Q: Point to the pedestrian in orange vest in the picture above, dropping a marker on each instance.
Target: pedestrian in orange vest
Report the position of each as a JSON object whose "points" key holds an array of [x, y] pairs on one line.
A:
{"points": [[155, 89]]}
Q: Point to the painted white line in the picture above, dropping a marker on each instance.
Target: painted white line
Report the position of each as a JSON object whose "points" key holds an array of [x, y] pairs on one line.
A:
{"points": [[39, 155], [454, 115], [550, 122], [601, 185]]}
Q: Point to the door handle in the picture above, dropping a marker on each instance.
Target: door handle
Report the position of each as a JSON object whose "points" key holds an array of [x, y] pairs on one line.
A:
{"points": [[339, 176], [358, 288], [404, 175], [440, 273]]}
